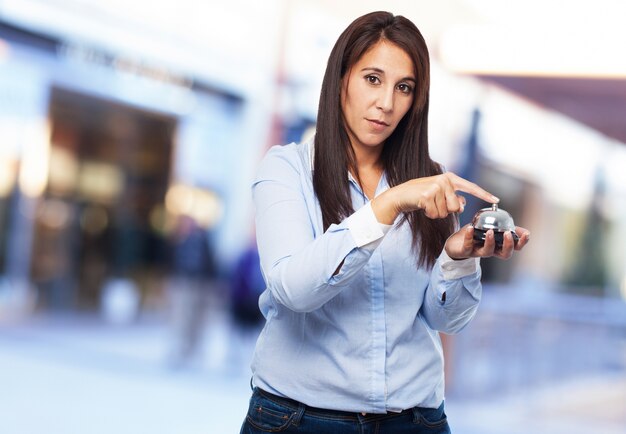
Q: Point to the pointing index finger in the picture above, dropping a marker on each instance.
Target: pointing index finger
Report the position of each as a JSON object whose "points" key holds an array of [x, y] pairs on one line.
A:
{"points": [[461, 184]]}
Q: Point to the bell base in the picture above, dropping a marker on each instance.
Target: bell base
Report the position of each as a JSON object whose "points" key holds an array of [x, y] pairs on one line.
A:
{"points": [[481, 234]]}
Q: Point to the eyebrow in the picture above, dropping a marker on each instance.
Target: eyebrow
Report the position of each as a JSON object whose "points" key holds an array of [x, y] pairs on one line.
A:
{"points": [[374, 69]]}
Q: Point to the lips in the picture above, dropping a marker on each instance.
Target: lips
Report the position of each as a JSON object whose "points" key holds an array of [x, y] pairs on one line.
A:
{"points": [[382, 123], [377, 126]]}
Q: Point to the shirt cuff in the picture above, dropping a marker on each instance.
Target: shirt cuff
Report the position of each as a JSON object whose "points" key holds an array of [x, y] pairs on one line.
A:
{"points": [[364, 227], [457, 268]]}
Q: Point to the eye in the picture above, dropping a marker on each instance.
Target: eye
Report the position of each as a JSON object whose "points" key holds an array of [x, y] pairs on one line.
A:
{"points": [[372, 79], [405, 88]]}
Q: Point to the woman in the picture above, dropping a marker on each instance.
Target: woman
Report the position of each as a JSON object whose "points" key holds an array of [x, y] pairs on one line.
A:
{"points": [[355, 300]]}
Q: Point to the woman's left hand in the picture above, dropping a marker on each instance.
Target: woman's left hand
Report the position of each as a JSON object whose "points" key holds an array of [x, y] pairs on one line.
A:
{"points": [[460, 245]]}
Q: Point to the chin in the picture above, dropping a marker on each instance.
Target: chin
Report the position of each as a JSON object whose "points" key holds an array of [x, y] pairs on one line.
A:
{"points": [[374, 143], [372, 140]]}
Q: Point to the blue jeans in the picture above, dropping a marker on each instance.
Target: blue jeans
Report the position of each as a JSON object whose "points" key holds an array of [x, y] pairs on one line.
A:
{"points": [[268, 414]]}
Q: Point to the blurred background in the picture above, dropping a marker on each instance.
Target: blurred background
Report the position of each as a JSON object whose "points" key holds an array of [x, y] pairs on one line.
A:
{"points": [[129, 135]]}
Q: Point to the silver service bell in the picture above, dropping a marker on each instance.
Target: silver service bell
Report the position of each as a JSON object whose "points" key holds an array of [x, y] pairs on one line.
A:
{"points": [[496, 219]]}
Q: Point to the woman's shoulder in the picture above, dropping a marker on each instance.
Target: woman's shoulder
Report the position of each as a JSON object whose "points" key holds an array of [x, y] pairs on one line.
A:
{"points": [[290, 157]]}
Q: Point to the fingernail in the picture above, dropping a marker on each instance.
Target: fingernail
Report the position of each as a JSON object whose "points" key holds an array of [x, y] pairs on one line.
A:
{"points": [[495, 199]]}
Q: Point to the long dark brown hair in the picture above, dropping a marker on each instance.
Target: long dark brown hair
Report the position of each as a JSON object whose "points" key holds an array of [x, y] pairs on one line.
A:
{"points": [[405, 154]]}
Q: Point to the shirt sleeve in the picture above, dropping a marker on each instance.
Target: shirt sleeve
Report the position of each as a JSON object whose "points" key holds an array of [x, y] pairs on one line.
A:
{"points": [[304, 270], [365, 229], [453, 295], [455, 268]]}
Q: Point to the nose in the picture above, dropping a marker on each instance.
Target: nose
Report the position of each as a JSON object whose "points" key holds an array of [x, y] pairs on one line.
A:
{"points": [[385, 99]]}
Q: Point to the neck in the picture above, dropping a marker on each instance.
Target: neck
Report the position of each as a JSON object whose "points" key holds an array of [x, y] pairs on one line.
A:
{"points": [[368, 158], [369, 168]]}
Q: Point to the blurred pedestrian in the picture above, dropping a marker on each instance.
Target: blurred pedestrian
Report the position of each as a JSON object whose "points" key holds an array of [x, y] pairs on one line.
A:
{"points": [[190, 289], [246, 285], [355, 300]]}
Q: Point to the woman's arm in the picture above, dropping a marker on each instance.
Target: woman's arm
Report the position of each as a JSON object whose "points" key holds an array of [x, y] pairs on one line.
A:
{"points": [[453, 294], [302, 271], [454, 291]]}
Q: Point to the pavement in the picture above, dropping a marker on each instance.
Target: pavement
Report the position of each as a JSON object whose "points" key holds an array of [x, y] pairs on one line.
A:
{"points": [[77, 374]]}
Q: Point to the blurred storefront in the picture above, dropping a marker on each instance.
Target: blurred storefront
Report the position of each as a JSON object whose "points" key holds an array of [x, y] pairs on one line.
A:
{"points": [[108, 173], [89, 169], [100, 151]]}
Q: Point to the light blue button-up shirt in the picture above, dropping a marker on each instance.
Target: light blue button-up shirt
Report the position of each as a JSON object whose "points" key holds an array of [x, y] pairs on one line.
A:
{"points": [[366, 339]]}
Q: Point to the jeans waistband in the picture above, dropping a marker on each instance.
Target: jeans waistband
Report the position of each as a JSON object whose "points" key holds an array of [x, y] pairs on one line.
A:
{"points": [[323, 412]]}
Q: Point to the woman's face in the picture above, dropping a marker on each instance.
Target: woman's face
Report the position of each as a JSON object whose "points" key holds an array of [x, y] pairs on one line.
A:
{"points": [[376, 93]]}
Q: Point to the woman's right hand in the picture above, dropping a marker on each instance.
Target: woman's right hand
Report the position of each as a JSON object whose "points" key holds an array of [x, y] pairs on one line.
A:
{"points": [[435, 195]]}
